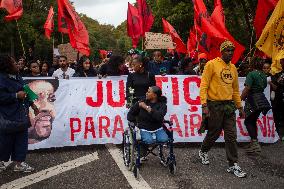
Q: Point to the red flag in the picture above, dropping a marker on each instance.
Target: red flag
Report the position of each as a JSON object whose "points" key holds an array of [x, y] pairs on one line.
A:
{"points": [[218, 17], [62, 24], [264, 7], [13, 7], [78, 34], [49, 23], [103, 53], [133, 25], [146, 16], [191, 42], [168, 28], [213, 30], [197, 41]]}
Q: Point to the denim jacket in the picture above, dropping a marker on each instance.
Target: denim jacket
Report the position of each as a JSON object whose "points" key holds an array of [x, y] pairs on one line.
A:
{"points": [[12, 108]]}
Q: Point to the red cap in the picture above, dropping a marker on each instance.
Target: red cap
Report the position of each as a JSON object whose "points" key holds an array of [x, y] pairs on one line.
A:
{"points": [[202, 56]]}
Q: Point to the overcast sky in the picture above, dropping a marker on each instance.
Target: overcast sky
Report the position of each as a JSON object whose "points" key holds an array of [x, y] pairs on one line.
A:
{"points": [[105, 11]]}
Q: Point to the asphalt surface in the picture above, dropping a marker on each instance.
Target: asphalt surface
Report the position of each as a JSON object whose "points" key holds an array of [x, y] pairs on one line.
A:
{"points": [[264, 171]]}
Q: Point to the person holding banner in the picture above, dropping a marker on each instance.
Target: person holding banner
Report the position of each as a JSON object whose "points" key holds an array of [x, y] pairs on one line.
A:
{"points": [[64, 72], [85, 69], [140, 80], [219, 93], [114, 67], [14, 109]]}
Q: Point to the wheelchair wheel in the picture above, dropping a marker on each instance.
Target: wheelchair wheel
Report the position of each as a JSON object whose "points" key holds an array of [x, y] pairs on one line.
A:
{"points": [[128, 150], [172, 168], [164, 152], [136, 172]]}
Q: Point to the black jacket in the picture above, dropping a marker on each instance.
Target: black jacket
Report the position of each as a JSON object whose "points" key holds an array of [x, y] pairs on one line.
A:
{"points": [[89, 73], [278, 80], [148, 121], [140, 82], [108, 69]]}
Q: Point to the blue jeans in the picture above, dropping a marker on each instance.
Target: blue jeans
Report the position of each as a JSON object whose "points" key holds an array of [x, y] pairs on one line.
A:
{"points": [[147, 137]]}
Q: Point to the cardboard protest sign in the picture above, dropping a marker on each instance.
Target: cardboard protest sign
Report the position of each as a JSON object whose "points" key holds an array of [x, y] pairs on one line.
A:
{"points": [[68, 51], [158, 41]]}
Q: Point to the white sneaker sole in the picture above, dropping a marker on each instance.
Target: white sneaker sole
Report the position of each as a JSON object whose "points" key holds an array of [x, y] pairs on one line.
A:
{"points": [[229, 171], [200, 156], [26, 171]]}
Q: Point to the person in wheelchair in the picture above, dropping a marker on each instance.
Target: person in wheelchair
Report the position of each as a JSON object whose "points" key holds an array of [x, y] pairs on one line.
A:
{"points": [[149, 115]]}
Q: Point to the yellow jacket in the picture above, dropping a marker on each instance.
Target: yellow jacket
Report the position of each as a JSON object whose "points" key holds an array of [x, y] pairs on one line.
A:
{"points": [[220, 82]]}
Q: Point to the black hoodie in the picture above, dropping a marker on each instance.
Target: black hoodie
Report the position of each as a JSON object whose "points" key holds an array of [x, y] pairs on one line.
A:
{"points": [[149, 121]]}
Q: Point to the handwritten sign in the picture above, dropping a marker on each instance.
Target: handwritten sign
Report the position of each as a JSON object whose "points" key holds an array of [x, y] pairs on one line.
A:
{"points": [[68, 51], [158, 41]]}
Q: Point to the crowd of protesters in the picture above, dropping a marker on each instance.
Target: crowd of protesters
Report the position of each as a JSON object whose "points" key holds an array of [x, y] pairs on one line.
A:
{"points": [[115, 65], [141, 70], [142, 67]]}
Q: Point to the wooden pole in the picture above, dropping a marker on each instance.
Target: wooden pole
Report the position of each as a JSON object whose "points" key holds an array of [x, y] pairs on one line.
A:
{"points": [[52, 45], [142, 43], [251, 39], [21, 38], [196, 37], [62, 38]]}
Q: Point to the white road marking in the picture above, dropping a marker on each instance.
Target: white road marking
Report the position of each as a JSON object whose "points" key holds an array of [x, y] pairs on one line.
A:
{"points": [[8, 163], [134, 183], [50, 172]]}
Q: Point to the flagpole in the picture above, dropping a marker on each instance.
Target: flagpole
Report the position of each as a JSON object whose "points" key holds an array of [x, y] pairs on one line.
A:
{"points": [[196, 38], [21, 38], [248, 55], [142, 43], [251, 38], [53, 45], [62, 38]]}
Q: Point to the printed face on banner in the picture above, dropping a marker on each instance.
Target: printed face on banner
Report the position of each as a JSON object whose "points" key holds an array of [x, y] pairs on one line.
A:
{"points": [[41, 124]]}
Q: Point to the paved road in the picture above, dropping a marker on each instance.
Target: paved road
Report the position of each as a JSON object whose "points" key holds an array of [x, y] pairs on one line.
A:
{"points": [[265, 171]]}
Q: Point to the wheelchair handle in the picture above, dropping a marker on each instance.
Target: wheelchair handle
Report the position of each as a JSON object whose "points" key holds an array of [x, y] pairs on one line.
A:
{"points": [[168, 122]]}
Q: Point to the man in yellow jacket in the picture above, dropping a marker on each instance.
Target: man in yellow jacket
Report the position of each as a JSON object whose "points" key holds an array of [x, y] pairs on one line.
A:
{"points": [[220, 97]]}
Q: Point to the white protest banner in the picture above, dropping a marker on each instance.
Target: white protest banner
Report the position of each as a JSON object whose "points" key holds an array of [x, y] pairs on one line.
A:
{"points": [[93, 111], [158, 41]]}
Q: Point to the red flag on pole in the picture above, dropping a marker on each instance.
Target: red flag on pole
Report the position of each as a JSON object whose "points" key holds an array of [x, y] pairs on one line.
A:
{"points": [[13, 7], [168, 28], [49, 23], [191, 43], [133, 25], [264, 7], [218, 17], [145, 13], [213, 30], [78, 34]]}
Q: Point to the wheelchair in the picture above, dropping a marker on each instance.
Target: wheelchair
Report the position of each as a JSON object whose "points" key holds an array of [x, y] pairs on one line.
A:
{"points": [[132, 144]]}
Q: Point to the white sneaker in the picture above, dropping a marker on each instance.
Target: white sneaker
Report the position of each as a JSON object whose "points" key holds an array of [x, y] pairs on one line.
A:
{"points": [[163, 162], [23, 167], [237, 171], [204, 157], [2, 166]]}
